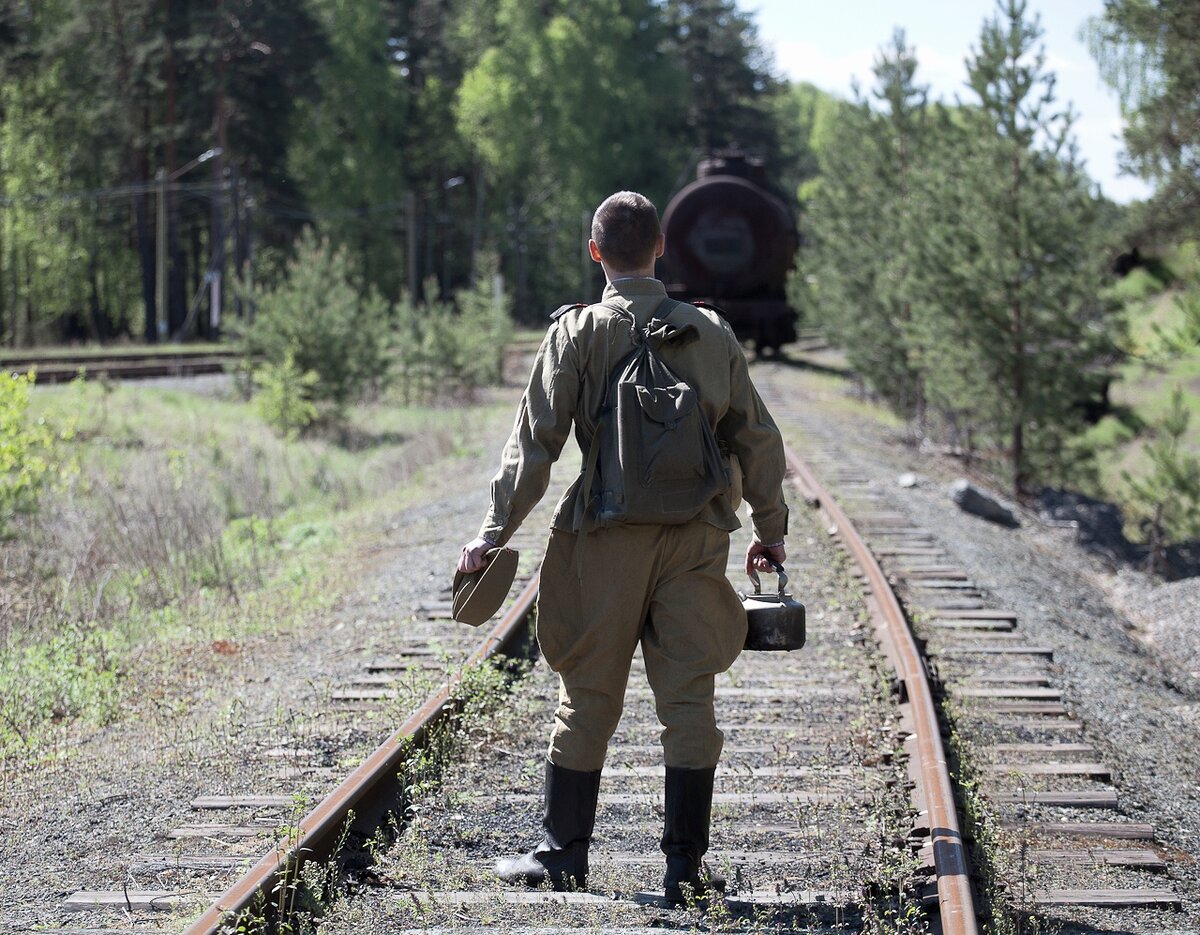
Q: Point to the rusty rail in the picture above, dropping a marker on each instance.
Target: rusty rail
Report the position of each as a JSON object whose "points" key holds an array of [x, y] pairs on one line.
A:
{"points": [[955, 900], [369, 793]]}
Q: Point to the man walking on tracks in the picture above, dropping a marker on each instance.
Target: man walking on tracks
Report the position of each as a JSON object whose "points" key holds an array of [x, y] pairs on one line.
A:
{"points": [[619, 569]]}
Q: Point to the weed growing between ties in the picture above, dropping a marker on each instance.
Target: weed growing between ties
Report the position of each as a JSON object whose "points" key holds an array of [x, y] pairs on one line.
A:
{"points": [[302, 891], [892, 899], [892, 896], [187, 525], [306, 890]]}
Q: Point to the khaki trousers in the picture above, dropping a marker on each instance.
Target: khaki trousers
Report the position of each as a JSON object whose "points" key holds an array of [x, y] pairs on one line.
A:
{"points": [[662, 586]]}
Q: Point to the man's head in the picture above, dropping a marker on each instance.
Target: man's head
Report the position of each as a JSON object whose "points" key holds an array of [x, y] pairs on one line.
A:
{"points": [[626, 235]]}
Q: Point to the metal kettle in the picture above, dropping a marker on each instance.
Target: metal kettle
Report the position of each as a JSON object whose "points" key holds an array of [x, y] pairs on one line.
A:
{"points": [[775, 621]]}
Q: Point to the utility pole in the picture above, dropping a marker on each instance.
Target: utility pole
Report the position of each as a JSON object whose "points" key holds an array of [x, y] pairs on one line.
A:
{"points": [[217, 234], [160, 258]]}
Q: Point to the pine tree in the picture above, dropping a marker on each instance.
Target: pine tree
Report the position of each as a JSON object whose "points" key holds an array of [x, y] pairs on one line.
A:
{"points": [[1015, 296], [1149, 51], [1166, 498], [862, 247], [729, 83]]}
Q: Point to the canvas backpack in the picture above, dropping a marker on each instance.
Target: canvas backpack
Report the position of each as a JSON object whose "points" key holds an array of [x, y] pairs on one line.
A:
{"points": [[653, 458]]}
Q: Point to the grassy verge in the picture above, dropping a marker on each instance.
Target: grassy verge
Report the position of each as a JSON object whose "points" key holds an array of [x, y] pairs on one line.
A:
{"points": [[183, 521]]}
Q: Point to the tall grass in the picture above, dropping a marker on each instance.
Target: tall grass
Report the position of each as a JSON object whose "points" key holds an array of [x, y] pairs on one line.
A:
{"points": [[184, 510]]}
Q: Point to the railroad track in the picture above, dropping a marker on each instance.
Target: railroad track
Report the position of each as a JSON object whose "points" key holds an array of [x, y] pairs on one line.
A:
{"points": [[825, 781], [181, 361]]}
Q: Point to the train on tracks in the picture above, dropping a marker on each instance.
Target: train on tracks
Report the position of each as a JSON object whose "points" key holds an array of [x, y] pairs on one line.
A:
{"points": [[731, 242]]}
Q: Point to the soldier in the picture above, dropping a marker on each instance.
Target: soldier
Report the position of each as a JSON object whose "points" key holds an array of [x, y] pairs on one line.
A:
{"points": [[604, 590]]}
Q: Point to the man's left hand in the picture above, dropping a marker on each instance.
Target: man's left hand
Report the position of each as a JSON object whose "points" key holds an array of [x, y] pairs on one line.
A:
{"points": [[474, 555], [760, 557]]}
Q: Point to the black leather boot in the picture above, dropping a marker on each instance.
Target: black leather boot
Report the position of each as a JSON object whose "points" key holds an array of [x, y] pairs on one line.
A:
{"points": [[688, 804], [562, 857]]}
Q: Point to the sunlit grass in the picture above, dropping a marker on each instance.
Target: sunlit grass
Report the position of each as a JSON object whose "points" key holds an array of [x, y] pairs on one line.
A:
{"points": [[184, 522]]}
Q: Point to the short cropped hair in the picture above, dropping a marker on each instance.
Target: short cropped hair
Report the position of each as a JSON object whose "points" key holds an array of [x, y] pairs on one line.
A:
{"points": [[625, 228]]}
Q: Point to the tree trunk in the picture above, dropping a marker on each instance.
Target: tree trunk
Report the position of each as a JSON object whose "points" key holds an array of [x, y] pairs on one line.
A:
{"points": [[99, 329], [1157, 552], [4, 337], [1017, 323]]}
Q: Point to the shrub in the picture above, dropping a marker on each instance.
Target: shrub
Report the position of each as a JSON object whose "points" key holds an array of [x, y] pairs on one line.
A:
{"points": [[27, 450], [284, 397], [1166, 498], [444, 347], [485, 323], [326, 323]]}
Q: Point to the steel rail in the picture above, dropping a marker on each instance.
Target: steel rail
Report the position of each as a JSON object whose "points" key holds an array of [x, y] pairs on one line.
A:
{"points": [[171, 353], [955, 900], [369, 793]]}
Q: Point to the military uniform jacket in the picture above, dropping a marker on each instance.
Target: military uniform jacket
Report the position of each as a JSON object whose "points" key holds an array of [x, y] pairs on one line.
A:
{"points": [[566, 390]]}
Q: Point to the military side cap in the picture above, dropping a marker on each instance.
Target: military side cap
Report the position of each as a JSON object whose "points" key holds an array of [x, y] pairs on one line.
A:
{"points": [[479, 594]]}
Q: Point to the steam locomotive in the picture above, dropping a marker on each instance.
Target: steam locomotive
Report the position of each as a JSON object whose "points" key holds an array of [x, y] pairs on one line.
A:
{"points": [[731, 243]]}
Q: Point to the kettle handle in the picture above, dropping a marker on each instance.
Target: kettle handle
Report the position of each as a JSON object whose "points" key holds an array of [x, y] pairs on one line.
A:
{"points": [[778, 568]]}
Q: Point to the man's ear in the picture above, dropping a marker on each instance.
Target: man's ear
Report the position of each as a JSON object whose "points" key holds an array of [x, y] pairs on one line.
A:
{"points": [[660, 245], [594, 251]]}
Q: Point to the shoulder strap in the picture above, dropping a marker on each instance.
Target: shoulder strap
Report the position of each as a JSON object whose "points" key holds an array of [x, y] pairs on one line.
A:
{"points": [[712, 308], [563, 309]]}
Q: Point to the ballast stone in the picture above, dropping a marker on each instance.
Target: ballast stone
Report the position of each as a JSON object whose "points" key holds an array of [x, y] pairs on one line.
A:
{"points": [[970, 499]]}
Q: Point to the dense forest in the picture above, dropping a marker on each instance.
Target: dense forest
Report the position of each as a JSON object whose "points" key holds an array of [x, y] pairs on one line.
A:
{"points": [[160, 161], [415, 133]]}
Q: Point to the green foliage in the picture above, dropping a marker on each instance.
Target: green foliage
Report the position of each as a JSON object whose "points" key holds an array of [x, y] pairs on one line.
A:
{"points": [[29, 456], [806, 118], [189, 522], [485, 327], [956, 254], [863, 250], [415, 135], [1184, 337], [1024, 278], [70, 676], [284, 397], [65, 270], [729, 85], [1149, 51], [1166, 499], [97, 97], [322, 322], [348, 140], [442, 349], [549, 148]]}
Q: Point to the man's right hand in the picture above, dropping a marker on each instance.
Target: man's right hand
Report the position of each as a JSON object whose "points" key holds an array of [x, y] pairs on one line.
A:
{"points": [[759, 557], [474, 555]]}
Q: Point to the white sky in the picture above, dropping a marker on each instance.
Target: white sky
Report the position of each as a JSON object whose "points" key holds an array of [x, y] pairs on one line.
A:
{"points": [[831, 43]]}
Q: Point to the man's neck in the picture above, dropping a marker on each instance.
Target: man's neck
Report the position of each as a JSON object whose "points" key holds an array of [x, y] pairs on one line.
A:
{"points": [[614, 276]]}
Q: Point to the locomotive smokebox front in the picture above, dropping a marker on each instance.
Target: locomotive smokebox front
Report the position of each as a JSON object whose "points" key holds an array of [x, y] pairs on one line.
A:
{"points": [[727, 236]]}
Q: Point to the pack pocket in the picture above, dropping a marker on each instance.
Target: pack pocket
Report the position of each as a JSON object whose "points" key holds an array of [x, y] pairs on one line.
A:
{"points": [[670, 442], [666, 405]]}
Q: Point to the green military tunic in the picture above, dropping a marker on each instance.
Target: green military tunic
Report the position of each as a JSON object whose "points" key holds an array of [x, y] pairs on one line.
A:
{"points": [[662, 586]]}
